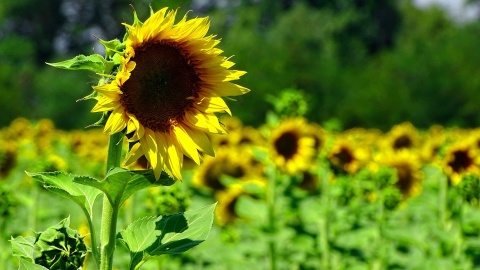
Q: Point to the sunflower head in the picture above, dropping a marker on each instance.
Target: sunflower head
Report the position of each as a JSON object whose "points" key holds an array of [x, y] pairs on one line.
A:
{"points": [[292, 149], [346, 158], [402, 136], [407, 165], [460, 159], [166, 90]]}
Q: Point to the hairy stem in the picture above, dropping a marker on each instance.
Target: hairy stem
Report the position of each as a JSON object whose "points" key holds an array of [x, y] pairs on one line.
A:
{"points": [[110, 212]]}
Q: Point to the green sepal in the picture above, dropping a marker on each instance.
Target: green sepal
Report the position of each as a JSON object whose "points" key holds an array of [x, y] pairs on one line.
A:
{"points": [[112, 48], [173, 234], [101, 122], [63, 185], [94, 62], [119, 184]]}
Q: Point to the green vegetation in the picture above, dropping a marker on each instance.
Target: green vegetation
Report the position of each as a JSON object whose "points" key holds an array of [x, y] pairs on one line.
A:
{"points": [[365, 63]]}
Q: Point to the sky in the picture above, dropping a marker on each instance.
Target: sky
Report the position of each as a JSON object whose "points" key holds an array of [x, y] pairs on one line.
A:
{"points": [[456, 8]]}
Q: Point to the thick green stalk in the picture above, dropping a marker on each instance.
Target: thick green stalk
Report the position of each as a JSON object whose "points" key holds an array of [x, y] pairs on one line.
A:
{"points": [[323, 240], [442, 200], [271, 194], [110, 212]]}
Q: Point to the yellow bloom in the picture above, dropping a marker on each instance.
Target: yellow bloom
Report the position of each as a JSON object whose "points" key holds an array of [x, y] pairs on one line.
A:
{"points": [[402, 136], [237, 163], [408, 168], [344, 157], [292, 149], [167, 90], [460, 159]]}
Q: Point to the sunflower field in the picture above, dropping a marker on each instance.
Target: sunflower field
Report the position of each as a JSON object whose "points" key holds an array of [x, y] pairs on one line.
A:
{"points": [[297, 134], [290, 193]]}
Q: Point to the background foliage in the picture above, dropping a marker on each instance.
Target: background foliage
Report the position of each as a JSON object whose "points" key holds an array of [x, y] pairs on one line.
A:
{"points": [[365, 63]]}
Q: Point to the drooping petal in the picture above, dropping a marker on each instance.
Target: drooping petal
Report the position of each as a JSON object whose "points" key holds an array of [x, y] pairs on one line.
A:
{"points": [[134, 154], [116, 122], [149, 147], [189, 147]]}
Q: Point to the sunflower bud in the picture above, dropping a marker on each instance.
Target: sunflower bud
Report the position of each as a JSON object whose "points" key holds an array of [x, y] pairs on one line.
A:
{"points": [[167, 200], [60, 247]]}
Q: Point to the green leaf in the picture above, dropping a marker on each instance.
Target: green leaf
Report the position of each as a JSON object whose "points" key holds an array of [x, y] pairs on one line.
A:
{"points": [[138, 236], [182, 231], [23, 247], [94, 62], [27, 265], [120, 184], [174, 234], [62, 184]]}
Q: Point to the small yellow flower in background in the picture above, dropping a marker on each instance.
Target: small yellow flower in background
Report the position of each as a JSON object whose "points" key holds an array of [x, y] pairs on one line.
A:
{"points": [[167, 90], [237, 163], [408, 165], [460, 159], [226, 211], [292, 149], [344, 157], [401, 136]]}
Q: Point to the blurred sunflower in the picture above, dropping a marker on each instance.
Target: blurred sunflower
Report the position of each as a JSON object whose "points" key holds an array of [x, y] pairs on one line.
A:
{"points": [[408, 170], [401, 136], [169, 86], [291, 148], [319, 136], [231, 162], [344, 157], [227, 201], [8, 157], [460, 159]]}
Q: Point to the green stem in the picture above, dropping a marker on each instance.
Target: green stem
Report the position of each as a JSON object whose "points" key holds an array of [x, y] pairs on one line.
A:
{"points": [[323, 223], [110, 212], [442, 200], [378, 264], [93, 240], [271, 194]]}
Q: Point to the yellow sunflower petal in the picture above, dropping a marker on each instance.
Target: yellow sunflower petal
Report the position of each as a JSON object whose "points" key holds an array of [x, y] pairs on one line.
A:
{"points": [[213, 105], [201, 140], [188, 145], [224, 89], [175, 159], [149, 147], [134, 154], [104, 104], [116, 121]]}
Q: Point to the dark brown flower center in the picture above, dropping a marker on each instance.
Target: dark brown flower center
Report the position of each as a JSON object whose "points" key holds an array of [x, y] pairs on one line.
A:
{"points": [[287, 144], [403, 141], [461, 161], [161, 86]]}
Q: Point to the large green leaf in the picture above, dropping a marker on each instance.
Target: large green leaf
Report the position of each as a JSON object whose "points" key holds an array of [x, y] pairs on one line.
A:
{"points": [[62, 184], [183, 231], [174, 234], [120, 184], [138, 236], [23, 247], [27, 265], [94, 62]]}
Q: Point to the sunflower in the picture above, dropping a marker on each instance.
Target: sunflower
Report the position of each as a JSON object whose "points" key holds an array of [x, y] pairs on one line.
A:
{"points": [[237, 163], [344, 157], [401, 136], [407, 165], [460, 159], [168, 87], [226, 210], [292, 149]]}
